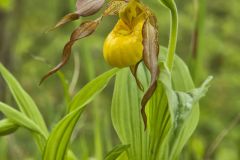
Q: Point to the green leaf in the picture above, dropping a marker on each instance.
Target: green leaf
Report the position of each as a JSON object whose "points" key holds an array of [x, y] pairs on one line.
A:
{"points": [[186, 118], [7, 126], [126, 115], [85, 95], [116, 152], [172, 111], [20, 119], [24, 101], [58, 140], [26, 105], [160, 123], [183, 107]]}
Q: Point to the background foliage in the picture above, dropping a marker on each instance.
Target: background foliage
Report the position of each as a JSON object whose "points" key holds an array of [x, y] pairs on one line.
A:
{"points": [[27, 51]]}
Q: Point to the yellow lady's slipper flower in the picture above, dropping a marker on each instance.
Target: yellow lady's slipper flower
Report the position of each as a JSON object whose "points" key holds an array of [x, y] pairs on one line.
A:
{"points": [[134, 38], [123, 47]]}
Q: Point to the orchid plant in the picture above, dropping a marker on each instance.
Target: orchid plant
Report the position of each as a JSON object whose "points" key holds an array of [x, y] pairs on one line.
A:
{"points": [[155, 104]]}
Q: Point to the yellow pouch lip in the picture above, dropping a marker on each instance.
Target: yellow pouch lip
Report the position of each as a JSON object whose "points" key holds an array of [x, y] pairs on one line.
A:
{"points": [[123, 47]]}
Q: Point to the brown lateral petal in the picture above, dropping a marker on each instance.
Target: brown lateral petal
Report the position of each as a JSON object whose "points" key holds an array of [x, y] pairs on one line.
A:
{"points": [[67, 18], [84, 30], [134, 73], [88, 7], [113, 7], [84, 8], [150, 58]]}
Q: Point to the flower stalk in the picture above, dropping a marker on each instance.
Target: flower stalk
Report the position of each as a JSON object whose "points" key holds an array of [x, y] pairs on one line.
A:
{"points": [[173, 37]]}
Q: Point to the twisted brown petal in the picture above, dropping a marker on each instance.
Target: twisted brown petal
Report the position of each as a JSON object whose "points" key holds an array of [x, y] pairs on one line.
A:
{"points": [[67, 18], [84, 8], [84, 30], [150, 58], [134, 73]]}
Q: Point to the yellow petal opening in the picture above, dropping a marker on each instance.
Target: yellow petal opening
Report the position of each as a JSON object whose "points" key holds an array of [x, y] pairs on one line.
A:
{"points": [[123, 47]]}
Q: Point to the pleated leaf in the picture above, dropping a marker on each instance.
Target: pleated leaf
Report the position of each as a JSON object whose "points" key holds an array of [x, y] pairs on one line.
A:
{"points": [[7, 126], [116, 152], [24, 101], [126, 115], [184, 112], [20, 119], [172, 111], [58, 141], [26, 105], [185, 128]]}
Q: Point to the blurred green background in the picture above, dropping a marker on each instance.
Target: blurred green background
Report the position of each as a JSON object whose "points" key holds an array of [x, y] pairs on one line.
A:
{"points": [[209, 42]]}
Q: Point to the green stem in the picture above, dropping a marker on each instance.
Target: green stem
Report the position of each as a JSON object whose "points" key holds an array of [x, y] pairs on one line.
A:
{"points": [[173, 36]]}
